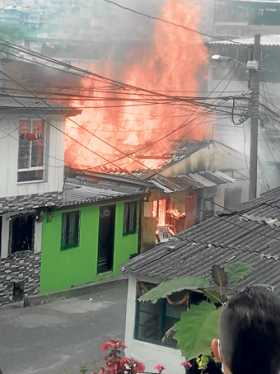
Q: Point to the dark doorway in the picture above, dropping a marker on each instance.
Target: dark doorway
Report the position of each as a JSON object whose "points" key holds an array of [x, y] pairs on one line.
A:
{"points": [[22, 234], [18, 291], [106, 239]]}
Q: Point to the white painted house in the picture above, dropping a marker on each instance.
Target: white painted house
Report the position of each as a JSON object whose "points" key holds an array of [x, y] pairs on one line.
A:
{"points": [[31, 152], [31, 171], [142, 348]]}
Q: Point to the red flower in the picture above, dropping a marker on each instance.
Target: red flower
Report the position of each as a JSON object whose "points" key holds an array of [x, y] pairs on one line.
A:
{"points": [[135, 366], [159, 368], [112, 345]]}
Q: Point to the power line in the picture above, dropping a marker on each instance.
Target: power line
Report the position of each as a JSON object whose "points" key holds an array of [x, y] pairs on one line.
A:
{"points": [[93, 134], [163, 20], [117, 84], [153, 92], [69, 136], [182, 126], [10, 135]]}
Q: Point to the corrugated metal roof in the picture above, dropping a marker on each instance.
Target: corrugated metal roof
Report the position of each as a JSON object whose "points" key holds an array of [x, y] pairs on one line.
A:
{"points": [[206, 183], [195, 181], [169, 184], [240, 236], [185, 151], [218, 177], [73, 195], [272, 40]]}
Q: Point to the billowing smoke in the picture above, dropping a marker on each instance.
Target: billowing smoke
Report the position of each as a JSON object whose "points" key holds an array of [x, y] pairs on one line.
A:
{"points": [[173, 60]]}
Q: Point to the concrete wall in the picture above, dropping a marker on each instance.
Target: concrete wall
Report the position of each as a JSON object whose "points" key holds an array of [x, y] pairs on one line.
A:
{"points": [[63, 269], [215, 156], [54, 158], [21, 266], [149, 354]]}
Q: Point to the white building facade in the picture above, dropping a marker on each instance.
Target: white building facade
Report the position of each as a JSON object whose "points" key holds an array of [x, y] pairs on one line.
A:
{"points": [[31, 174], [140, 347], [31, 154]]}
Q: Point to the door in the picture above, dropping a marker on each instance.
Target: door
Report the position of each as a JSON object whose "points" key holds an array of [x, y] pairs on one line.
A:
{"points": [[106, 239], [22, 233]]}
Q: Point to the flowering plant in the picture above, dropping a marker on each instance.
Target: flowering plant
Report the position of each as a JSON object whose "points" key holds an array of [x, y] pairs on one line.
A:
{"points": [[159, 368], [115, 360]]}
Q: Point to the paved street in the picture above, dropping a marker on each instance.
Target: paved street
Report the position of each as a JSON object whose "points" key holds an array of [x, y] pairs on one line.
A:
{"points": [[60, 337]]}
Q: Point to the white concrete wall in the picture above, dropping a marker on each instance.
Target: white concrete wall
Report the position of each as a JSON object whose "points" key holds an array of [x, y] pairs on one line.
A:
{"points": [[5, 250], [149, 354], [9, 158]]}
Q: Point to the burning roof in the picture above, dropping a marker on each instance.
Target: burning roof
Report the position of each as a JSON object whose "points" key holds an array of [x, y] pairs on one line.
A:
{"points": [[128, 130]]}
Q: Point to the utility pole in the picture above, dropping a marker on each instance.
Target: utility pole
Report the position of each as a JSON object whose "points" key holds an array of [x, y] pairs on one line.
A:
{"points": [[254, 86]]}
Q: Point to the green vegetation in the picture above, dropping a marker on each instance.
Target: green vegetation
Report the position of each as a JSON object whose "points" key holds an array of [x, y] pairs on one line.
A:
{"points": [[199, 324]]}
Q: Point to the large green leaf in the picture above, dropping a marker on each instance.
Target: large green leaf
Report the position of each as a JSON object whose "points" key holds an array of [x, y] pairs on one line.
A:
{"points": [[167, 288], [213, 295], [196, 329], [236, 272]]}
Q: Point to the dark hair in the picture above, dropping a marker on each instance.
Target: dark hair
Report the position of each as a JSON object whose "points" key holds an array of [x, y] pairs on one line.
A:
{"points": [[250, 332]]}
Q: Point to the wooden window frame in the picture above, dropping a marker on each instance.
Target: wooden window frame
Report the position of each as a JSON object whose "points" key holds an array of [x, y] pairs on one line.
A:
{"points": [[31, 169], [66, 245]]}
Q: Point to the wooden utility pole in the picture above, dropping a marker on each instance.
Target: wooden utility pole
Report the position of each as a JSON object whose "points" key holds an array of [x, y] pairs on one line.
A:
{"points": [[254, 85]]}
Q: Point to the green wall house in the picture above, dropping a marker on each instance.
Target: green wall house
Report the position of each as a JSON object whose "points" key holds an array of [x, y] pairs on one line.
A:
{"points": [[87, 240]]}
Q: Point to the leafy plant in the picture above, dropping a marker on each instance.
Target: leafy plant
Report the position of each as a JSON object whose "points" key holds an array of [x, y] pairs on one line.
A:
{"points": [[175, 285], [115, 360], [199, 324], [196, 328]]}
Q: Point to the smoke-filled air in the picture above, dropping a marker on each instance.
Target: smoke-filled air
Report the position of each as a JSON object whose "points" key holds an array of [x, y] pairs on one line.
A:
{"points": [[174, 62]]}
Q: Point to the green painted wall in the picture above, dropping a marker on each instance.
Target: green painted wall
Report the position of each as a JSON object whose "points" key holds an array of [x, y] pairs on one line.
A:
{"points": [[63, 269]]}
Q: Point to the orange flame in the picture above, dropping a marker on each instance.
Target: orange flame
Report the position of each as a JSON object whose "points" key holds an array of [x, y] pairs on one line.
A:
{"points": [[176, 214], [173, 65]]}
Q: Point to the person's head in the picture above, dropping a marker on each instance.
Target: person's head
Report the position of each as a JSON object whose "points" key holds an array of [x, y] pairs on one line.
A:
{"points": [[250, 333]]}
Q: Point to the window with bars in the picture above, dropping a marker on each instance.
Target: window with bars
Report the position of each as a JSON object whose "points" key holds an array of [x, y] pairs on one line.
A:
{"points": [[31, 150], [130, 218], [70, 236]]}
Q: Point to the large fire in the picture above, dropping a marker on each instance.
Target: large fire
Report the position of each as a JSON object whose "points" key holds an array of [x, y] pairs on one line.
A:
{"points": [[175, 65]]}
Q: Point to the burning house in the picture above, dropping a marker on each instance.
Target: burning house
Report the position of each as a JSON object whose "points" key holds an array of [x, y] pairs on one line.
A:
{"points": [[127, 122], [199, 180]]}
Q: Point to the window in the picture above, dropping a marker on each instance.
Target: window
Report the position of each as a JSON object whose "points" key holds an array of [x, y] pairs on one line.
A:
{"points": [[154, 320], [22, 233], [31, 150], [130, 218], [70, 230]]}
